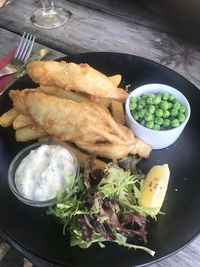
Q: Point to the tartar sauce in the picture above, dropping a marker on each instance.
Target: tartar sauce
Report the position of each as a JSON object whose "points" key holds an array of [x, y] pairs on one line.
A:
{"points": [[44, 171]]}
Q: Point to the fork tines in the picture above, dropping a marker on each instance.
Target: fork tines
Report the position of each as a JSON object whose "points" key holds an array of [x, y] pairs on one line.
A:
{"points": [[25, 47]]}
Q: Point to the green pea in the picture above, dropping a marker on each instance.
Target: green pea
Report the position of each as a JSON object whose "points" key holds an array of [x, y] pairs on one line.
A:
{"points": [[151, 95], [135, 116], [149, 101], [159, 120], [182, 109], [139, 107], [176, 105], [133, 99], [142, 122], [165, 96], [166, 114], [139, 119], [171, 97], [174, 112], [175, 123], [145, 95], [149, 124], [142, 103], [181, 117], [156, 100], [166, 123], [170, 105], [175, 100], [151, 109], [133, 106], [141, 113], [156, 127], [159, 112], [148, 116], [153, 116], [164, 105]]}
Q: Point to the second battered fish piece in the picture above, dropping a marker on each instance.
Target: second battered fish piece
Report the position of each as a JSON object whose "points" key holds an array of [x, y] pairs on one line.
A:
{"points": [[78, 77], [89, 126]]}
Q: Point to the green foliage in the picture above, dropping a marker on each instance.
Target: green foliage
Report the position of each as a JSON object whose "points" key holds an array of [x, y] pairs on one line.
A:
{"points": [[121, 186]]}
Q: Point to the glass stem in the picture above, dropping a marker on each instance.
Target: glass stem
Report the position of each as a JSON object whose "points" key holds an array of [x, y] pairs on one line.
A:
{"points": [[47, 5]]}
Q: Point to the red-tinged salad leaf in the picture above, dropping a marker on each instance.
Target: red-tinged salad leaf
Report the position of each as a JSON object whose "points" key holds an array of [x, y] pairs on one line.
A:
{"points": [[102, 205]]}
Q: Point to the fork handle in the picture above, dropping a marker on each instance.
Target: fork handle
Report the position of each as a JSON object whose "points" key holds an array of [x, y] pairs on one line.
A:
{"points": [[7, 69]]}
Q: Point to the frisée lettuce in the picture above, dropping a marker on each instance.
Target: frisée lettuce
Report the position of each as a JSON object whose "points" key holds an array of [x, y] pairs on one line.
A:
{"points": [[102, 205]]}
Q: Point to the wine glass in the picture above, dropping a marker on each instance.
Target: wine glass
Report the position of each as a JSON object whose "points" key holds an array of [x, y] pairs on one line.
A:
{"points": [[49, 17]]}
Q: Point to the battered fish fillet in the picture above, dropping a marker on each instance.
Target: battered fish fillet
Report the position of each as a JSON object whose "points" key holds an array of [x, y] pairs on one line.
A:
{"points": [[89, 126], [78, 77]]}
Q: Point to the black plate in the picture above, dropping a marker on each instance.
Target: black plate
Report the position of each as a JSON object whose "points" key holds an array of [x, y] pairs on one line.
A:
{"points": [[32, 229]]}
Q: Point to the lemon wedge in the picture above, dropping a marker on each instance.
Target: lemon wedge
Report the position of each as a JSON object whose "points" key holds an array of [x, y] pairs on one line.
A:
{"points": [[155, 186]]}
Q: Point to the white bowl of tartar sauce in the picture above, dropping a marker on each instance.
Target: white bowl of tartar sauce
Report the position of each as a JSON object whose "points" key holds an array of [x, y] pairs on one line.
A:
{"points": [[38, 172]]}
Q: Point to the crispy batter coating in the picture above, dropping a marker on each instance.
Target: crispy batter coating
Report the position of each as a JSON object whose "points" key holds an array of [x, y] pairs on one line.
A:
{"points": [[89, 126], [78, 77]]}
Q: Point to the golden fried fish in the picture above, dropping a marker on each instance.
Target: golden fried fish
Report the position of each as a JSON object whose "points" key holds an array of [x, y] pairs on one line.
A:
{"points": [[89, 126], [77, 77]]}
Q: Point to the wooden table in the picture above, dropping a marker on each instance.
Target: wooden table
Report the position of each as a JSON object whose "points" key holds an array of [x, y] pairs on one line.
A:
{"points": [[166, 33]]}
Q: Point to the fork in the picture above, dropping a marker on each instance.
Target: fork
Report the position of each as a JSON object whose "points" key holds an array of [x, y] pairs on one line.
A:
{"points": [[21, 56]]}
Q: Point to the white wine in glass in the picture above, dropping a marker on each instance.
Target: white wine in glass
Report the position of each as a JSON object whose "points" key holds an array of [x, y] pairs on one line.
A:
{"points": [[49, 17]]}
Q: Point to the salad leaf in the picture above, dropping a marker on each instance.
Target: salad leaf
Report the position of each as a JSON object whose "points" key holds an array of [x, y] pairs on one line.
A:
{"points": [[102, 205], [116, 182], [121, 241]]}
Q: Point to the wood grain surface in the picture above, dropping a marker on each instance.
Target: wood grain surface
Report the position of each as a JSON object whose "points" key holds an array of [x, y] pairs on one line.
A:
{"points": [[92, 28], [142, 28]]}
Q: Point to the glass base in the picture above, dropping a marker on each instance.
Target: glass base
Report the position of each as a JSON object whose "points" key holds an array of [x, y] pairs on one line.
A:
{"points": [[50, 19]]}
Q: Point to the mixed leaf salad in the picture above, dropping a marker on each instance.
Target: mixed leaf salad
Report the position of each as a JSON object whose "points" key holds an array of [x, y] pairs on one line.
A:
{"points": [[102, 205]]}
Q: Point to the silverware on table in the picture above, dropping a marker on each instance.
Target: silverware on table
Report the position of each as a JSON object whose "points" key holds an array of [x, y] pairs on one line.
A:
{"points": [[22, 54]]}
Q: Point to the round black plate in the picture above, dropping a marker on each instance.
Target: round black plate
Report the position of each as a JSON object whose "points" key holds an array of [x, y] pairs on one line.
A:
{"points": [[42, 235]]}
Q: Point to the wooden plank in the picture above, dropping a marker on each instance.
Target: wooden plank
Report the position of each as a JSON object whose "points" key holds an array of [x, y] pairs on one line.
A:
{"points": [[180, 18], [132, 11], [9, 40], [187, 257], [91, 30]]}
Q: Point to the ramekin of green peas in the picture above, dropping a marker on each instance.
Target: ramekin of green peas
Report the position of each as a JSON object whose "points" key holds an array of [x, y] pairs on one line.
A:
{"points": [[157, 114]]}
